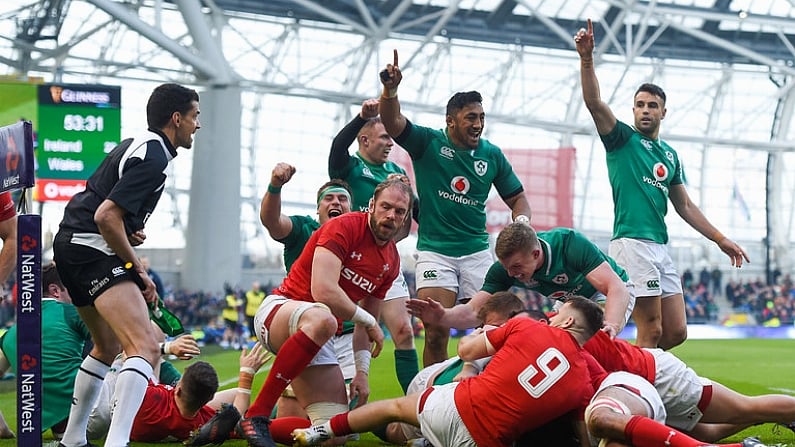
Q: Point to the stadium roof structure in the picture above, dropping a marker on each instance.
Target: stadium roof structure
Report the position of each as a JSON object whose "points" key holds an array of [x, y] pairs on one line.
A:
{"points": [[722, 31], [305, 65]]}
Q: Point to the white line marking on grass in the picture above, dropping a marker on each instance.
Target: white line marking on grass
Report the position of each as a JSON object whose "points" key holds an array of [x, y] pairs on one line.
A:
{"points": [[234, 379], [783, 390]]}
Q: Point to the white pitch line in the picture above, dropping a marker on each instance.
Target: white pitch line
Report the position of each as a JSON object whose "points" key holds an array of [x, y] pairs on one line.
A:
{"points": [[783, 390], [234, 379]]}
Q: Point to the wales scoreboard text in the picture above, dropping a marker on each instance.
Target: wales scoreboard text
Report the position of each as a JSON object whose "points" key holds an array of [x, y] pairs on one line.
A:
{"points": [[77, 126]]}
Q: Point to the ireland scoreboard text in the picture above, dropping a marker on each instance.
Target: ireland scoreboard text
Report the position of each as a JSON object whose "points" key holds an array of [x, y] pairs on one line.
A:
{"points": [[77, 126]]}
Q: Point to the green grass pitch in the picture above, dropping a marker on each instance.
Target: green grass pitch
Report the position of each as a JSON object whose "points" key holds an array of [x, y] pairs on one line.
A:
{"points": [[751, 366]]}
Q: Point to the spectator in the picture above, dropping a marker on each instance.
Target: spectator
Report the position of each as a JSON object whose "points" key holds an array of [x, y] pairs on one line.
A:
{"points": [[231, 315], [687, 279], [704, 277], [717, 280], [254, 298], [160, 288]]}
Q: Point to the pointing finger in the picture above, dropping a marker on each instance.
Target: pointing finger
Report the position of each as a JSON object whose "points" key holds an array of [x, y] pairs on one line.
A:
{"points": [[394, 58]]}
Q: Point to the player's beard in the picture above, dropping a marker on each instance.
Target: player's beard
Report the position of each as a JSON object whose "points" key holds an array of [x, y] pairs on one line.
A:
{"points": [[381, 232]]}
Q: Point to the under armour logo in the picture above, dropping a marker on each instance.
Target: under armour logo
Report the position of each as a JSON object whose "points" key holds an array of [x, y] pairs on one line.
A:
{"points": [[356, 256], [667, 441], [281, 377]]}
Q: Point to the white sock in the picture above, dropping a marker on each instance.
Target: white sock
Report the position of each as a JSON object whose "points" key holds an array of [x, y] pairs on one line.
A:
{"points": [[327, 426], [88, 384], [130, 389]]}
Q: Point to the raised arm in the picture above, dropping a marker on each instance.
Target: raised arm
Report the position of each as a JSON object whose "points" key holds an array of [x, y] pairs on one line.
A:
{"points": [[389, 106], [602, 115], [270, 209], [339, 156], [696, 219]]}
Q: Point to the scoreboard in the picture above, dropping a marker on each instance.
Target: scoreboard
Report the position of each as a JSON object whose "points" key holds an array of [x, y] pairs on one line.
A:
{"points": [[78, 125]]}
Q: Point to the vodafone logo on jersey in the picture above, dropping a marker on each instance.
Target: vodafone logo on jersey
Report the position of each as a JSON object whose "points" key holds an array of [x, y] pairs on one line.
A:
{"points": [[460, 184], [660, 172]]}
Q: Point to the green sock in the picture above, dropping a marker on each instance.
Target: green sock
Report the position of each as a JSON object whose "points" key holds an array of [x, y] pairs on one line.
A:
{"points": [[169, 375], [406, 366]]}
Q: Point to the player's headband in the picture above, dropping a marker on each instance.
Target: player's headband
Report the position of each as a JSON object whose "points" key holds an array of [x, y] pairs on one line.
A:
{"points": [[333, 190]]}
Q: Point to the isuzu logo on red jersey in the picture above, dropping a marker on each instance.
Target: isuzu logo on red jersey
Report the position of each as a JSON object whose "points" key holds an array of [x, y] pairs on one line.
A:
{"points": [[357, 280]]}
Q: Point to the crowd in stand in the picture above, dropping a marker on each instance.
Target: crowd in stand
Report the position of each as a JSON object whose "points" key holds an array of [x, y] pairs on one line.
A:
{"points": [[771, 304], [768, 304]]}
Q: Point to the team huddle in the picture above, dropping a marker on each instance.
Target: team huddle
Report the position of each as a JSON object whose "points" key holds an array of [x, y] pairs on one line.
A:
{"points": [[520, 377]]}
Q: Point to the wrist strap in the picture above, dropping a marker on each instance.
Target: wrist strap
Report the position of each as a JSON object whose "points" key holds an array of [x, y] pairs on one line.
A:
{"points": [[244, 380], [363, 317], [389, 93], [362, 360], [274, 189]]}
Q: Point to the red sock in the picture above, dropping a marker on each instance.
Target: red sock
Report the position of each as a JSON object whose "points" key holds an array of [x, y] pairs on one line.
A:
{"points": [[282, 428], [296, 353], [644, 432], [339, 424]]}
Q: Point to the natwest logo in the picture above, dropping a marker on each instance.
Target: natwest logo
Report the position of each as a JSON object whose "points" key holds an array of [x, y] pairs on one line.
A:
{"points": [[28, 362]]}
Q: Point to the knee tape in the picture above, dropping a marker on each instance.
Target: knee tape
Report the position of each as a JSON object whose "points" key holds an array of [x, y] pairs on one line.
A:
{"points": [[296, 315], [321, 412], [610, 403]]}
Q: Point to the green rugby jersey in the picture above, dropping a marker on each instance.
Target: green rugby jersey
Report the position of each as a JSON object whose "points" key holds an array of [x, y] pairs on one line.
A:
{"points": [[363, 177], [641, 171], [568, 257], [303, 227], [453, 185]]}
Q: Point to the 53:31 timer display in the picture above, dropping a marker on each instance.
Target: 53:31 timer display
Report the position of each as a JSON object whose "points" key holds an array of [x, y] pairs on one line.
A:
{"points": [[81, 123]]}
